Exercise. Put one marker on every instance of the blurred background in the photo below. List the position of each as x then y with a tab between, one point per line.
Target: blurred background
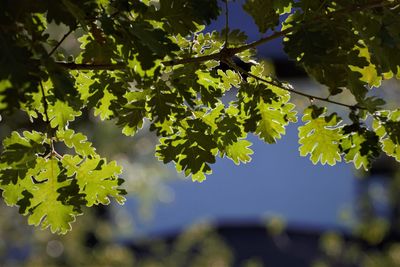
277	210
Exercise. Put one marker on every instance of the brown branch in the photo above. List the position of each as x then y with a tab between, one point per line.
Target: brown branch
261	41
215	56
290	89
87	66
232	51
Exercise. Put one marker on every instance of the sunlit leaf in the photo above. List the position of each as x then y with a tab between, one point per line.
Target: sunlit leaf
239	151
320	137
97	179
360	147
77	141
389	132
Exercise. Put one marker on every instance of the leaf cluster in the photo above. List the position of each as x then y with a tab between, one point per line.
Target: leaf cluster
152	62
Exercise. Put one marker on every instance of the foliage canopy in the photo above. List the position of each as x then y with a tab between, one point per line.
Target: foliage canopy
152	61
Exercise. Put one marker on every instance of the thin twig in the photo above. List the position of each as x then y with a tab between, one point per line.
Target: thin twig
290	89
261	41
61	41
87	66
215	56
226	24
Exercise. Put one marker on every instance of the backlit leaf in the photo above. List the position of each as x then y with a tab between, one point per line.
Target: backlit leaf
45	207
361	148
389	132
60	114
239	151
320	137
77	141
97	179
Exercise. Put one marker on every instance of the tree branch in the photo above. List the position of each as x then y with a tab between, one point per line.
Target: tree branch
84	66
215	56
233	51
290	89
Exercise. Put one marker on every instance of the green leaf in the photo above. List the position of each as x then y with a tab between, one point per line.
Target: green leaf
273	120
18	68
131	116
76	11
388	131
283	6
97	51
190	14
369	72
97	179
38	196
165	102
360	147
199	108
51	189
211	87
103	108
77	141
192	149
320	137
83	82
62	86
4	86
266	106
211	115
239	151
45	208
372	103
206	44
236	37
19	155
229	79
60	114
263	13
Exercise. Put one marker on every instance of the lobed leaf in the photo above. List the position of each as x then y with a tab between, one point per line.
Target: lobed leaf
263	12
19	155
45	208
273	120
78	141
360	147
97	179
320	137
60	114
239	151
388	130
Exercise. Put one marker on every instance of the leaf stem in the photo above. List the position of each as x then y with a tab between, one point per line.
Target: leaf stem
49	130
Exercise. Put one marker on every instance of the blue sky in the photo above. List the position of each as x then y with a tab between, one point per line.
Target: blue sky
276	182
